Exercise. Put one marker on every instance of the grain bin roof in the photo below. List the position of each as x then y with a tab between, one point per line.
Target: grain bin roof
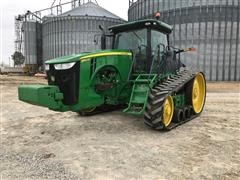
90	9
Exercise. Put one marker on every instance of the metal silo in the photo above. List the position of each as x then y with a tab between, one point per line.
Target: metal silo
212	26
74	31
32	38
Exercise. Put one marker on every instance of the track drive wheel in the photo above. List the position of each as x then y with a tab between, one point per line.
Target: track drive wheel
198	93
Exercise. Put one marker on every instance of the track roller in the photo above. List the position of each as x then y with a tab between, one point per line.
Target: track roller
178	116
186	112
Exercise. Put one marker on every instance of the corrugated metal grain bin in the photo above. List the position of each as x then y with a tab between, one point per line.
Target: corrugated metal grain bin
32	37
210	26
73	31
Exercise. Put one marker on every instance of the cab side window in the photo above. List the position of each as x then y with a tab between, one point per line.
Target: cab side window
159	43
158	39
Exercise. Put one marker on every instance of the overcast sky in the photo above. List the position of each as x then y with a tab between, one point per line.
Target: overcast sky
11	8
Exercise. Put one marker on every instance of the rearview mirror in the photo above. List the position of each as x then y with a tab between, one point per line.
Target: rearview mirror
95	40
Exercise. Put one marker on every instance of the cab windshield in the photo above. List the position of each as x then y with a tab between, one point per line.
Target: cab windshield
148	47
131	40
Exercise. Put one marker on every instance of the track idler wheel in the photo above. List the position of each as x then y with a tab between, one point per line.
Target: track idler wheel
168	110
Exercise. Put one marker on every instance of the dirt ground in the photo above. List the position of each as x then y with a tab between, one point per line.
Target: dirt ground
37	143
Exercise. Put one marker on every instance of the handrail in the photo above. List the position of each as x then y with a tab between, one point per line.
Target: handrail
131	69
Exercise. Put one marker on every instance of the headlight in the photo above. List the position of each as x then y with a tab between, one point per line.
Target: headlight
46	67
64	66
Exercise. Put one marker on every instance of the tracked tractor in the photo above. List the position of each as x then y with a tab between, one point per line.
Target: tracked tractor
142	73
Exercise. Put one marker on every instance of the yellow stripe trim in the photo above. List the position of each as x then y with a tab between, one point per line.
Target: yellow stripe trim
88	57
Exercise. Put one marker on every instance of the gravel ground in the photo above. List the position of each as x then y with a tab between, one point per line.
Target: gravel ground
37	143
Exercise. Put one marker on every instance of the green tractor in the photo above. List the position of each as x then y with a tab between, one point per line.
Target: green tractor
141	73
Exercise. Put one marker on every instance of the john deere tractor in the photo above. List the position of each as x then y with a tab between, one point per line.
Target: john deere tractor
141	73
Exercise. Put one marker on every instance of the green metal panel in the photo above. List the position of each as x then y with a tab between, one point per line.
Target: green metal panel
51	97
179	100
88	97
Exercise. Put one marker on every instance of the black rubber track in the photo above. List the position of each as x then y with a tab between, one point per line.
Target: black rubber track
154	109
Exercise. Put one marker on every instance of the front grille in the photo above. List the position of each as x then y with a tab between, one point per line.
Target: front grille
68	82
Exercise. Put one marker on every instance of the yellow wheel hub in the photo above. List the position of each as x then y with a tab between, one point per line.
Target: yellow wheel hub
168	110
89	110
198	93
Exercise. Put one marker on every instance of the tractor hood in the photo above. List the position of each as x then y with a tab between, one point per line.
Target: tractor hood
87	55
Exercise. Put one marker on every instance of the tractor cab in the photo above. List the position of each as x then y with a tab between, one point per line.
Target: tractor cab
148	40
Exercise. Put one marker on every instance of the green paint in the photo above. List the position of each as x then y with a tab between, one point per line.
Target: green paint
139	95
77	57
119	93
179	101
42	95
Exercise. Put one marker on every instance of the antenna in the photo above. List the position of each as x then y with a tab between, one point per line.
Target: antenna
53	3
